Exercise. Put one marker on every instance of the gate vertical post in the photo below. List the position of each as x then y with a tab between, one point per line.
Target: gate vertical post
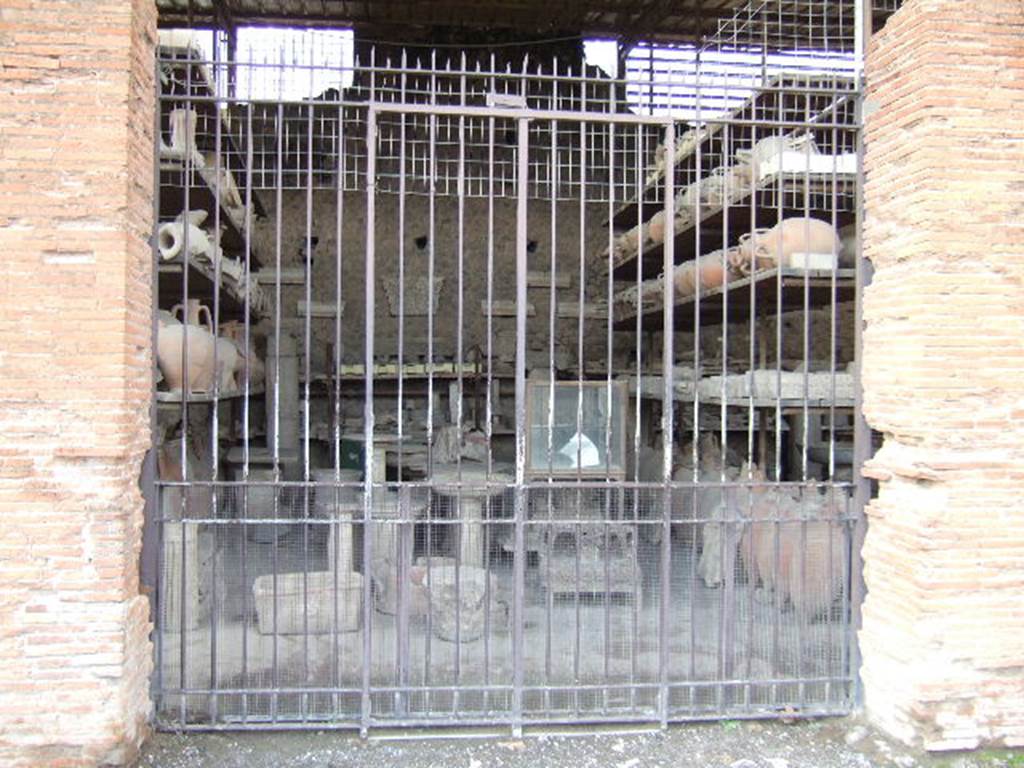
668	355
370	287
519	559
862	450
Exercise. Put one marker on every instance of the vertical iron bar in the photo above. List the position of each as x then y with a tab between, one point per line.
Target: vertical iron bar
698	372
755	418
404	552
580	323
638	413
243	554
549	421
831	471
215	415
307	354
519	557
401	271
466	528
431	167
726	616
276	447
490	349
489	320
368	425
152	488
432	205
404	557
186	391
609	341
667	412
335	380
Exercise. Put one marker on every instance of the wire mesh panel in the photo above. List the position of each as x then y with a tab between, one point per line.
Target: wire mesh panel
494	394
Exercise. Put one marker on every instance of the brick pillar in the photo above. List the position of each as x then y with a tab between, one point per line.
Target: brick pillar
943	629
76	181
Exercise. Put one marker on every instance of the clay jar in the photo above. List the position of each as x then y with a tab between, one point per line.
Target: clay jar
656	228
196	310
230	361
848	252
628	241
795	235
235	331
712	272
704	273
171	342
685	279
713	188
749	250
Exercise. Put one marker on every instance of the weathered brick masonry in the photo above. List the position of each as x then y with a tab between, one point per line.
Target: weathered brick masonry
76	184
943	635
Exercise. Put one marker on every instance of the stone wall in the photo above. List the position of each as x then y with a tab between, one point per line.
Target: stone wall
445	235
822	324
943	623
76	180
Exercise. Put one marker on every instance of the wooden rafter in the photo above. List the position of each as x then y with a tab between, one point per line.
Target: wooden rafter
618	19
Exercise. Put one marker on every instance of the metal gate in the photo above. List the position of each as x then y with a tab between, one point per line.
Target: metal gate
509	396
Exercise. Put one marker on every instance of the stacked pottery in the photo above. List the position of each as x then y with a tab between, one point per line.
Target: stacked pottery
175	338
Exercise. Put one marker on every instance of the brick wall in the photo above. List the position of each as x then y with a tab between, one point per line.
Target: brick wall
943	631
76	107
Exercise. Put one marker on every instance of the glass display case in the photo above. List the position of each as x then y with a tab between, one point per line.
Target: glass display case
578	430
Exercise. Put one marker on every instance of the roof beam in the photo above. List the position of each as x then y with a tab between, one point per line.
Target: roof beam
627	20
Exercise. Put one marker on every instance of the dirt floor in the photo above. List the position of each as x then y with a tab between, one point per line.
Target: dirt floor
831	743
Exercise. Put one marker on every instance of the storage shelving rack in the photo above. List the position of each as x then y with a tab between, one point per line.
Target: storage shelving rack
184	73
821	105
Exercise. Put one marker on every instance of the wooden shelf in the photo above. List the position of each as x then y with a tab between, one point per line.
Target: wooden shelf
414	382
765	286
789	391
651	387
203	398
201	282
186	83
182	66
412	372
749	209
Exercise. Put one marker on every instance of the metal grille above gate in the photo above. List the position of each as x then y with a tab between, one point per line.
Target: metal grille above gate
494	396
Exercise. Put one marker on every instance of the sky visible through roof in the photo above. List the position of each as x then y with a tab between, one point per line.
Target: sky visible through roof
294	64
